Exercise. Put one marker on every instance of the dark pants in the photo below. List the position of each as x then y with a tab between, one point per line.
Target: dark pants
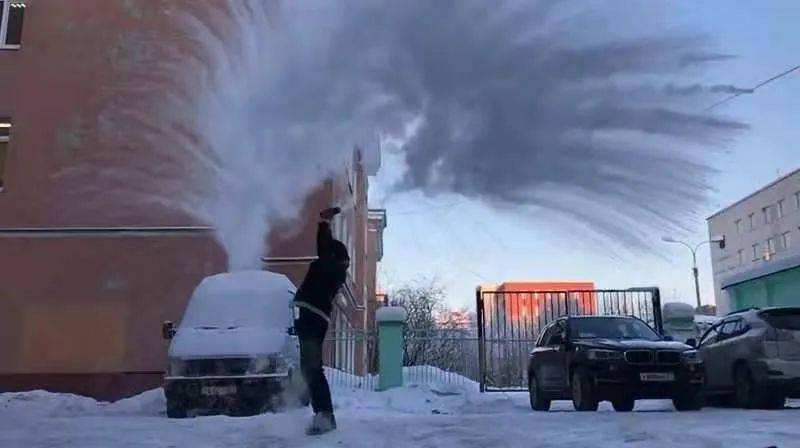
311	330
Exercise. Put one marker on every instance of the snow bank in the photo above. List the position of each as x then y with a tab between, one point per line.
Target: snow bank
151	403
40	403
438	380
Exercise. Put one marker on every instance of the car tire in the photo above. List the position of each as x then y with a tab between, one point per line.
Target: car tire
583	395
691	400
774	400
539	401
623	404
746	395
175	410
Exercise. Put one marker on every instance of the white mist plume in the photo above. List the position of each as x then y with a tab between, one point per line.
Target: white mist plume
256	102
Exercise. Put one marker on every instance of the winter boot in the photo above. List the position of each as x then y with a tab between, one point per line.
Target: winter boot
321	423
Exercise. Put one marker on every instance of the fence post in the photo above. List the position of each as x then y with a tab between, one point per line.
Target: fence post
481	340
390	346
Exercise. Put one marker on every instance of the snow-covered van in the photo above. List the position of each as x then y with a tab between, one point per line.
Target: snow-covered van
234	351
678	321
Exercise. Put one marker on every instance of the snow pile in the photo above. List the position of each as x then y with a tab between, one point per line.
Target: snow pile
439	381
48	404
151	403
40	403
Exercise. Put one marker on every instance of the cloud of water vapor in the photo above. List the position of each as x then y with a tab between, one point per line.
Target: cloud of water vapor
516	103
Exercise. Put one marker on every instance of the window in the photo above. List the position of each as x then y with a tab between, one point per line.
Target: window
770	214
545	338
752	218
787	240
781	209
727	330
739	228
11	17
755	252
797	200
556	329
5	133
711	336
771	247
741	256
733	328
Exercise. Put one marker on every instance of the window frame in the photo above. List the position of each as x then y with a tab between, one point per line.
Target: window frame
5	123
781	208
704	340
752	221
5	16
725	333
755	252
786	239
772	246
739	228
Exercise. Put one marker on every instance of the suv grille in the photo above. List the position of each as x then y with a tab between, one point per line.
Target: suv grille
639	356
217	367
668	357
652	357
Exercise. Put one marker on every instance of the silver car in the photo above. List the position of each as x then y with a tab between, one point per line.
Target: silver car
753	356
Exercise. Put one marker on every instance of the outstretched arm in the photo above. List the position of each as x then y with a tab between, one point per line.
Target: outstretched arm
324	234
324	238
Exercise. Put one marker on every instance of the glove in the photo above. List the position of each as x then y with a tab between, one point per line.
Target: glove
329	213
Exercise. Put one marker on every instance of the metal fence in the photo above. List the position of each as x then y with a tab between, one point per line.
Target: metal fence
352	359
510	321
440	357
430	357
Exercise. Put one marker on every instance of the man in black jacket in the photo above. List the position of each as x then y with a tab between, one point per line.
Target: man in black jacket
314	298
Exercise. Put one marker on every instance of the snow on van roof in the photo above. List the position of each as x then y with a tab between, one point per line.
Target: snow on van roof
245	281
242	298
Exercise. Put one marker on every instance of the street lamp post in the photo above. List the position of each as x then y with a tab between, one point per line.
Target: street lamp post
695	272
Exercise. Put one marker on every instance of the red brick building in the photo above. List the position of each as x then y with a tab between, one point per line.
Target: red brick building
85	283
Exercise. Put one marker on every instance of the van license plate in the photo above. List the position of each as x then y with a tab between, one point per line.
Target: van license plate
657	376
218	390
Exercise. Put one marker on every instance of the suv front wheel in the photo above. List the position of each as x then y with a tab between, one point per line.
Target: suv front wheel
539	402
583	394
690	400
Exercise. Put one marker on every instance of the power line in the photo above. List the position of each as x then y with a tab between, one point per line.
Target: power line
774	78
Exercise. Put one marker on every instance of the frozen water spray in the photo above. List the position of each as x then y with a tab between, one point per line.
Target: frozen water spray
529	104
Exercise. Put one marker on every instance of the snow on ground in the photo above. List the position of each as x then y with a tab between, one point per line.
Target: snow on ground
413	416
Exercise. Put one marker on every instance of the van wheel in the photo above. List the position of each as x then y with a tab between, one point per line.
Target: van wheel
539	402
583	394
175	410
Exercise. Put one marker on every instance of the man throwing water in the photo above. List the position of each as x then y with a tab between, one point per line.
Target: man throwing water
314	298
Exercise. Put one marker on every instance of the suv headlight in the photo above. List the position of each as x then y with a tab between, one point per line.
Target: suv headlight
269	364
603	355
690	356
177	367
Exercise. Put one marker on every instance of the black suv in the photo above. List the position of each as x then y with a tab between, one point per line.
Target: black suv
621	359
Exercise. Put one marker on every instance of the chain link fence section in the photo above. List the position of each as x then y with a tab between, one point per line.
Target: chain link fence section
351	359
440	357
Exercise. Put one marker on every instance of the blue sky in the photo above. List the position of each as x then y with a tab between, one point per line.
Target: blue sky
463	243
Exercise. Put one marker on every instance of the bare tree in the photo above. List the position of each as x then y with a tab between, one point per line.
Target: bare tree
434	334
